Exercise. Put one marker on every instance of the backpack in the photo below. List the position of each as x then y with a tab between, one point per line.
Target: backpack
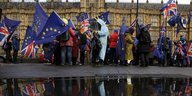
65	36
145	37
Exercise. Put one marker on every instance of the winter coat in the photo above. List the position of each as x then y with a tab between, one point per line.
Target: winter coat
113	40
16	43
103	34
129	41
70	41
75	48
144	45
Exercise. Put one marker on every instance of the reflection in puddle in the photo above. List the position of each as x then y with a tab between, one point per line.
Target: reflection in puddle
96	87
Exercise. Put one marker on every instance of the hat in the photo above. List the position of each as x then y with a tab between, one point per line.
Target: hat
116	30
141	26
65	21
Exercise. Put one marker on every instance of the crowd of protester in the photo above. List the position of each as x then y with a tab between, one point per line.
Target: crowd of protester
98	49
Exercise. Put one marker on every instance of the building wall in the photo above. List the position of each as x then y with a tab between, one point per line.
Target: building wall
148	13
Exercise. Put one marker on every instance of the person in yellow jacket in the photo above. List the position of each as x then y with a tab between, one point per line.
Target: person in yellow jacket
129	41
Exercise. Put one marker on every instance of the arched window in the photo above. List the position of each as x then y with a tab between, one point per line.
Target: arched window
154	21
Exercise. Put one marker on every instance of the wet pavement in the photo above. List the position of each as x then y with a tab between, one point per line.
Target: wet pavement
47	70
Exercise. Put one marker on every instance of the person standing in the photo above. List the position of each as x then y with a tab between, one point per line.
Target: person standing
83	41
103	35
8	47
129	41
144	45
112	45
66	46
75	50
16	47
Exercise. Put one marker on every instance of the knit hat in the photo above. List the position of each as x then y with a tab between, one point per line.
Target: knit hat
116	30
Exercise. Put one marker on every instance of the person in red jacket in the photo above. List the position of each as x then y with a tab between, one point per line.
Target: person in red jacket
112	45
66	48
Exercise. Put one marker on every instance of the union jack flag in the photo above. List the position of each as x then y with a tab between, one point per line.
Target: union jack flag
30	90
134	22
4	33
85	23
169	9
28	48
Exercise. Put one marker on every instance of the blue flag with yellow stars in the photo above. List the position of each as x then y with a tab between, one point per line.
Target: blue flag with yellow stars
40	19
104	17
53	27
11	24
82	17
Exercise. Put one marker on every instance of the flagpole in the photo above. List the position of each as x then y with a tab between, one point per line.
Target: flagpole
137	12
189	27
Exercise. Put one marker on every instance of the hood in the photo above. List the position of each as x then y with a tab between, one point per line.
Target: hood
101	22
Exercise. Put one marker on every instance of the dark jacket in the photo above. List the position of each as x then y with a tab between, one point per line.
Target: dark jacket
144	42
15	42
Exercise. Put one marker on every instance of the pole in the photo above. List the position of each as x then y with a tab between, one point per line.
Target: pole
189	28
137	8
137	14
0	13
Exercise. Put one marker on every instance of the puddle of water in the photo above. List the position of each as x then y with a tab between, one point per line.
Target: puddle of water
96	87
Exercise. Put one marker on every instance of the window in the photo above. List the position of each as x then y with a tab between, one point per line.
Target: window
155	1
140	20
154	21
111	18
30	19
73	0
15	0
29	0
125	1
140	1
110	1
34	0
73	18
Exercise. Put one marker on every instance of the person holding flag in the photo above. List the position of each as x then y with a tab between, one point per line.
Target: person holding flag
16	47
11	26
144	44
129	41
103	33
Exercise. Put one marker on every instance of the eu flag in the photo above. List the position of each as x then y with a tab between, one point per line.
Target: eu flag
40	19
70	23
53	27
28	48
120	53
11	24
104	17
82	17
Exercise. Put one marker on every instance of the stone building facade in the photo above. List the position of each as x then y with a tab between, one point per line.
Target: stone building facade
148	13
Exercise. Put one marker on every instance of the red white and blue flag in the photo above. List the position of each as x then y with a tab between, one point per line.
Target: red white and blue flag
28	48
4	33
169	9
30	90
134	22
